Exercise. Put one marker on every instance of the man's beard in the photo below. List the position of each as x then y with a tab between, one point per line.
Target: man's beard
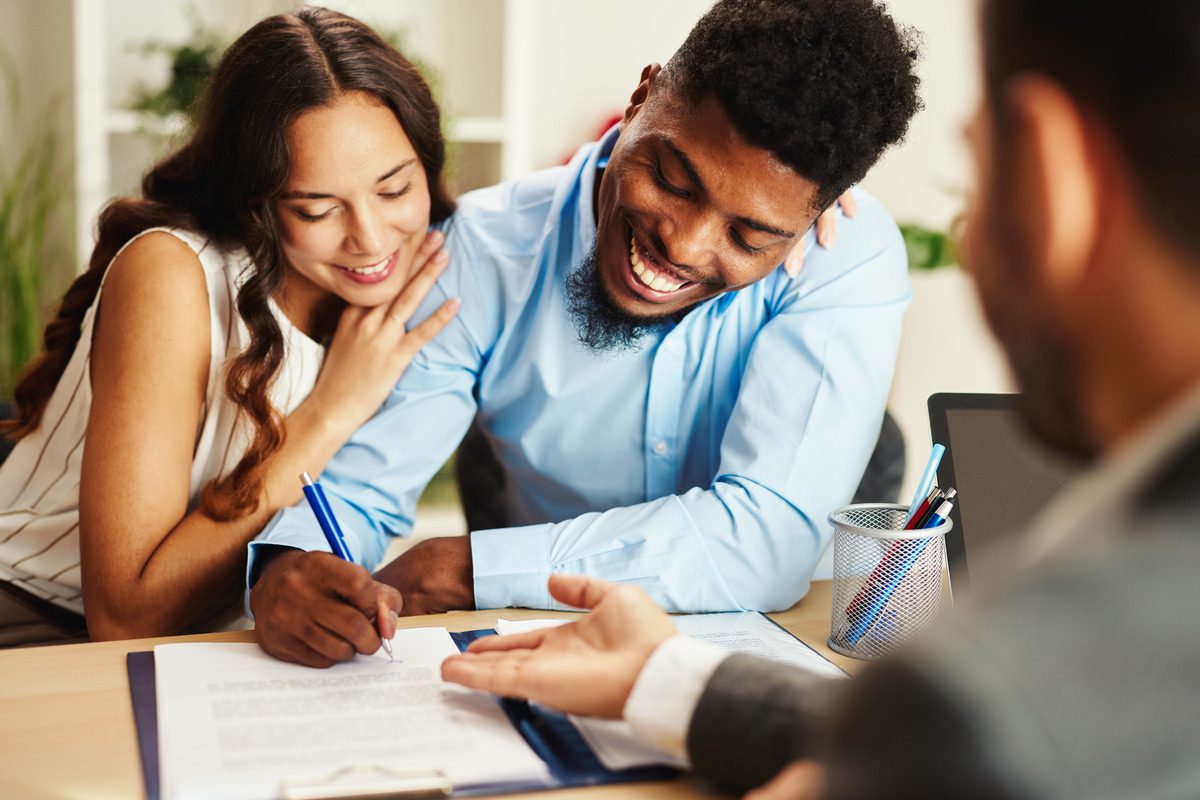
601	324
1040	354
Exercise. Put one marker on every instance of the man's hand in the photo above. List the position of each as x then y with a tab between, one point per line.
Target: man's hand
316	609
800	780
433	576
586	667
826	232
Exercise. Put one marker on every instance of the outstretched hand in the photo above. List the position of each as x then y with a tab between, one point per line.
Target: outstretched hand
586	667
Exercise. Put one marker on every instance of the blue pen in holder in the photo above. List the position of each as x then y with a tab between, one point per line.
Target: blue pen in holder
887	582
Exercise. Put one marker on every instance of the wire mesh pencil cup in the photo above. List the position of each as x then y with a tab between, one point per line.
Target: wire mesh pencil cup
887	582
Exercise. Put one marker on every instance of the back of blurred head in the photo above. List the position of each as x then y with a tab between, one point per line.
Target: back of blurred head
1084	235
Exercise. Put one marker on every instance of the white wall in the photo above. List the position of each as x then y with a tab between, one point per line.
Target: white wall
925	178
588	60
589	57
946	346
582	60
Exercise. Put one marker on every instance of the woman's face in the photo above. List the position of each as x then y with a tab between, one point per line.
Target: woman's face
355	207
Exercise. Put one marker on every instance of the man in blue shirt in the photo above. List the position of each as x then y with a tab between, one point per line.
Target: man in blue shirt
670	408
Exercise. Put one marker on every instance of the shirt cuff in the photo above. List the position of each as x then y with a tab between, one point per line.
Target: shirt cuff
511	567
294	538
667	690
281	531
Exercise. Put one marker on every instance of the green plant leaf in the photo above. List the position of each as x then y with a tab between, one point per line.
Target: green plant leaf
32	187
927	248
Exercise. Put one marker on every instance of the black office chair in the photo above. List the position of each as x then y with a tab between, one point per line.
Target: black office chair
481	480
885	470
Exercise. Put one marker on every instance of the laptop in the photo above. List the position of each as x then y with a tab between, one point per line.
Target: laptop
1003	476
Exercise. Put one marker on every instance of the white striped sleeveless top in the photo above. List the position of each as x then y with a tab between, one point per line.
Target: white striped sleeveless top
39	483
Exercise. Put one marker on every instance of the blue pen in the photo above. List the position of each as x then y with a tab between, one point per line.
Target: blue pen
324	514
877	603
329	526
926	484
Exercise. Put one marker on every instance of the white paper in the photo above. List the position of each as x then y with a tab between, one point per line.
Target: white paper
234	722
507	627
613	742
739	631
751	632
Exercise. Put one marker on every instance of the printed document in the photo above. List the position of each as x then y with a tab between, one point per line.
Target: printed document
740	631
234	722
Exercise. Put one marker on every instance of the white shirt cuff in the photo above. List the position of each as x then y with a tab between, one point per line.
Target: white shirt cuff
664	697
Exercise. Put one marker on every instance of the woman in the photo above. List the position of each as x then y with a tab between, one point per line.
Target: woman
184	384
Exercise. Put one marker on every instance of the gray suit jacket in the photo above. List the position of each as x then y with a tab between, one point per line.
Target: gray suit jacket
1080	679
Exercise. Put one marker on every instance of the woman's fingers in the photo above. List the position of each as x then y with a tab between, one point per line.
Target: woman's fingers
405	305
827	227
423	334
826	231
827	222
848	203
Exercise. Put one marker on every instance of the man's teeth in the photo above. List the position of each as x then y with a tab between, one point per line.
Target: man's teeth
648	277
374	269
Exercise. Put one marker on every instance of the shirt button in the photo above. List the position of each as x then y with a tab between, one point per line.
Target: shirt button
660	447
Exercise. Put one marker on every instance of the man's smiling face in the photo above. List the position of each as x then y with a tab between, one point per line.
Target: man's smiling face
688	209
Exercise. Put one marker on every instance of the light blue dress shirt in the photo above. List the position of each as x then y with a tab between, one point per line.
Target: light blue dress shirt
700	466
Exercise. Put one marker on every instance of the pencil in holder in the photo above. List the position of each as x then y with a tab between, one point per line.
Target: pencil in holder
887	582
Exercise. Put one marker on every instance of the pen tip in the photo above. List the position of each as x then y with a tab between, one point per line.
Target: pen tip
306	479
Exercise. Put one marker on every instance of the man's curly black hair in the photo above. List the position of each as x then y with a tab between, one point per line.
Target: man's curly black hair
824	85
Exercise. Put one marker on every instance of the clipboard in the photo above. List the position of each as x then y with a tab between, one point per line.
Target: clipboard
569	758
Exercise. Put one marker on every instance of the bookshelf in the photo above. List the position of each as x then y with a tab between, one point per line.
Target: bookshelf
480	52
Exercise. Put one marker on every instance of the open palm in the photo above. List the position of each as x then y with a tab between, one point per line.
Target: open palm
586	667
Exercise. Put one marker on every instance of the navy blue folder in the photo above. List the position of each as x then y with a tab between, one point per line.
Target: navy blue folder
552	736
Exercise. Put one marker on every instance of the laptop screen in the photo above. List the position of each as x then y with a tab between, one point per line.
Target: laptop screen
1003	477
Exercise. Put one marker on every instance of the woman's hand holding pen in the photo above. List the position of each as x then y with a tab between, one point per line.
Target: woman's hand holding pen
371	347
316	609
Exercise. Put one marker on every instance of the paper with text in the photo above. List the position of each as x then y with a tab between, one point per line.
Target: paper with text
751	632
234	722
740	631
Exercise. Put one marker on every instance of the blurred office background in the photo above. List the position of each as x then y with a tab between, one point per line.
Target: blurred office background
522	82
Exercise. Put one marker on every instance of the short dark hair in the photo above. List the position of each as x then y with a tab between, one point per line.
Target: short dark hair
1136	66
824	85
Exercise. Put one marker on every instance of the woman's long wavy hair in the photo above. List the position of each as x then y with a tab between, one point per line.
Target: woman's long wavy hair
222	184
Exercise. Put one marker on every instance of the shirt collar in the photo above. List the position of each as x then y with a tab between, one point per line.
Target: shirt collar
1102	498
586	163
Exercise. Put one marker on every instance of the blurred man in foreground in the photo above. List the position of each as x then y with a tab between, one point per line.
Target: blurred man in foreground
1076	679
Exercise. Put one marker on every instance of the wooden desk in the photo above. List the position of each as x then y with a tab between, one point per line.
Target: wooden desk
66	724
